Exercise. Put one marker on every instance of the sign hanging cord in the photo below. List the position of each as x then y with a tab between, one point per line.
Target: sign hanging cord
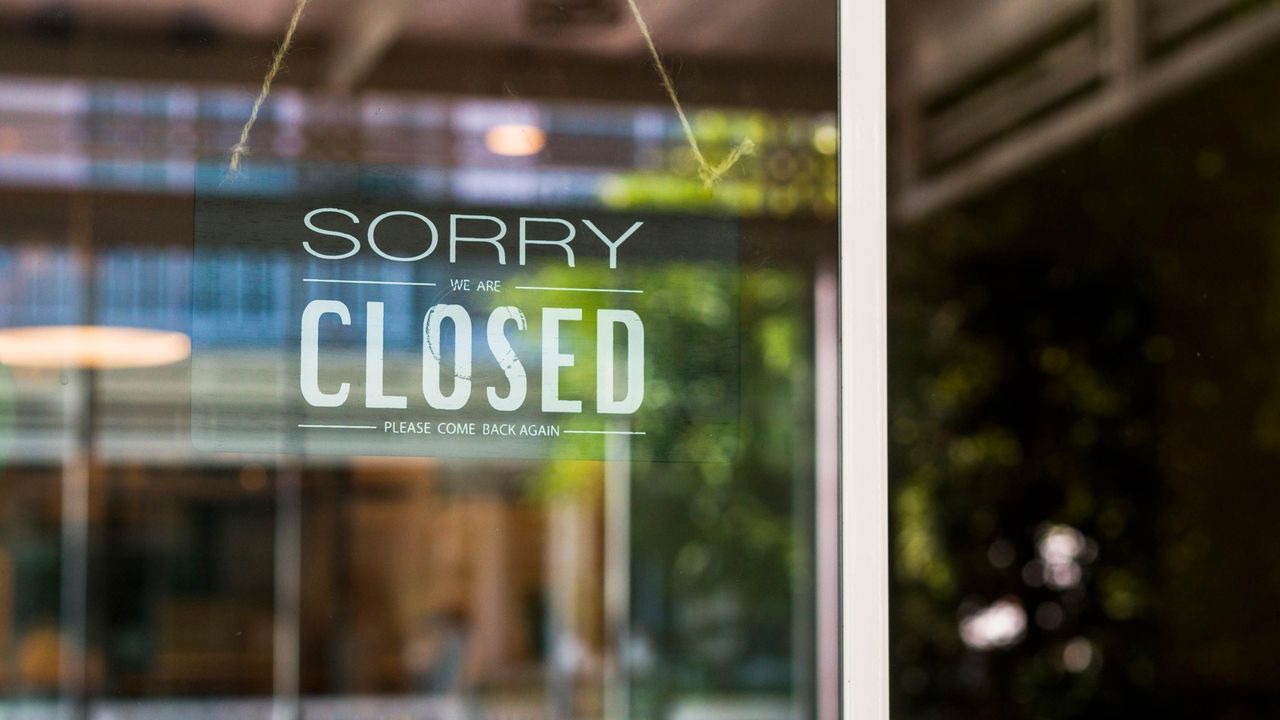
241	148
709	173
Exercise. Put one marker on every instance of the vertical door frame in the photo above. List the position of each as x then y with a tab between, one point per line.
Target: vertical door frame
864	567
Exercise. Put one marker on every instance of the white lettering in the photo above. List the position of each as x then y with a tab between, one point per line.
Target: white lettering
553	359
507	360
454	238
435	236
310	371
563	242
373	396
355	244
432	353
606	402
612	244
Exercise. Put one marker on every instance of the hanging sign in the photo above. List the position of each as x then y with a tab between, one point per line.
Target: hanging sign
342	325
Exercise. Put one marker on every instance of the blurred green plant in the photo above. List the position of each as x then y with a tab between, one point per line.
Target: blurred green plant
720	547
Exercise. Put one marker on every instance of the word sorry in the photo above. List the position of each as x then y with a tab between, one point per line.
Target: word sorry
528	228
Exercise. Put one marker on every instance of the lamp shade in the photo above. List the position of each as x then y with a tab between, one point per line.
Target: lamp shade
91	347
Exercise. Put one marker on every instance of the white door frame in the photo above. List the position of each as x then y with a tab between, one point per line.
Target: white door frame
863	408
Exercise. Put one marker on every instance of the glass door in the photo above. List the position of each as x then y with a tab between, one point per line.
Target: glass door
396	359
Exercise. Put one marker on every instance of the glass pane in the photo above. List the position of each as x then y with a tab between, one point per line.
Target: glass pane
1082	365
547	469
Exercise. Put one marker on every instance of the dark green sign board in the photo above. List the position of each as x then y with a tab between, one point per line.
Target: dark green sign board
353	325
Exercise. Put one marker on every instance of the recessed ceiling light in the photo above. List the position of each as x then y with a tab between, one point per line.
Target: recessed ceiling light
515	140
91	346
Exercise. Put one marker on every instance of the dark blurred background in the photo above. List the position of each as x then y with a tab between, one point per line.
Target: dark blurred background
1083	359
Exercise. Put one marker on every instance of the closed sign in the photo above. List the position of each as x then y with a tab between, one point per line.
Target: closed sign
395	327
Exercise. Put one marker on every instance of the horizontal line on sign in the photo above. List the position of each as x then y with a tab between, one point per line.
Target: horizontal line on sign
342	427
602	432
369	282
604	290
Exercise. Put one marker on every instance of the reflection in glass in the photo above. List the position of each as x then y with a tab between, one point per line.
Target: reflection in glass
142	575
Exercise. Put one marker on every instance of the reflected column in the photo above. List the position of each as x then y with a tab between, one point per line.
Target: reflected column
77	471
287	624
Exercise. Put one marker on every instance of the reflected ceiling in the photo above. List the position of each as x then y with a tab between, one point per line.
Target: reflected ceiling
794	29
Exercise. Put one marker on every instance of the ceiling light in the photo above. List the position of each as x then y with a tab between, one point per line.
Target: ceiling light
515	140
88	346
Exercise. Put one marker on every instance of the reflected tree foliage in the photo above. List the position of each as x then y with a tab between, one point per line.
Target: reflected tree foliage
1083	427
719	550
1022	461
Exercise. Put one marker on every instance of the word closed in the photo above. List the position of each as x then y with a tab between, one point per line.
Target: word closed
552	359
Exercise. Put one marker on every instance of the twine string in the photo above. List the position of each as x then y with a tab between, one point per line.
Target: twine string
710	174
241	148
